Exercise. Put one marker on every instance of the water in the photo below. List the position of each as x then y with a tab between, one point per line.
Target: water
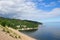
48	31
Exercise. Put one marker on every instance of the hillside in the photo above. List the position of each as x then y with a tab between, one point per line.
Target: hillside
7	33
4	36
18	24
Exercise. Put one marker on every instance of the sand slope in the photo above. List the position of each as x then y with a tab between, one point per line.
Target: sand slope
5	36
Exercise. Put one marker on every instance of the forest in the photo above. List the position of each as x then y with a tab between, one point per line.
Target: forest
18	23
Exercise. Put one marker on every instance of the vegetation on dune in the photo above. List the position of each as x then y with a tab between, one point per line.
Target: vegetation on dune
11	33
18	24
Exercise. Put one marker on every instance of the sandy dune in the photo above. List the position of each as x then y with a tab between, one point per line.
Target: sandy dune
5	36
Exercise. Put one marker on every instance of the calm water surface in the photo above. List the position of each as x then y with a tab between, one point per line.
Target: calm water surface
48	31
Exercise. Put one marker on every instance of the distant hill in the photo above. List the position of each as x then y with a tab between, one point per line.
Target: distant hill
17	23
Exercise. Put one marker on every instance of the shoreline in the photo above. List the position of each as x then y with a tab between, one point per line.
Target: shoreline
22	35
27	29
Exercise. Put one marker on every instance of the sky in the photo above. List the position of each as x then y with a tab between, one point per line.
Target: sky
36	10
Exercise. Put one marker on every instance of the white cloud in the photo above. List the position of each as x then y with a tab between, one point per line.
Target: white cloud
21	8
42	14
55	12
24	9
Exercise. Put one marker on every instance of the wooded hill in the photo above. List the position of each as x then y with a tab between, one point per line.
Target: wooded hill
17	23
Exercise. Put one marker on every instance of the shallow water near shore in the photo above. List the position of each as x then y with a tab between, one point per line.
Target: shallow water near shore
48	31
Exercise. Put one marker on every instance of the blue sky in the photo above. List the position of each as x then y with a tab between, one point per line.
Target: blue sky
36	10
47	5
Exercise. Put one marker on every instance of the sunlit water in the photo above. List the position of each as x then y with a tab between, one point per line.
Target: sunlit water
48	31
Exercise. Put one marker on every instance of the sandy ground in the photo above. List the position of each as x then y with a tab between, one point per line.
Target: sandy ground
6	36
